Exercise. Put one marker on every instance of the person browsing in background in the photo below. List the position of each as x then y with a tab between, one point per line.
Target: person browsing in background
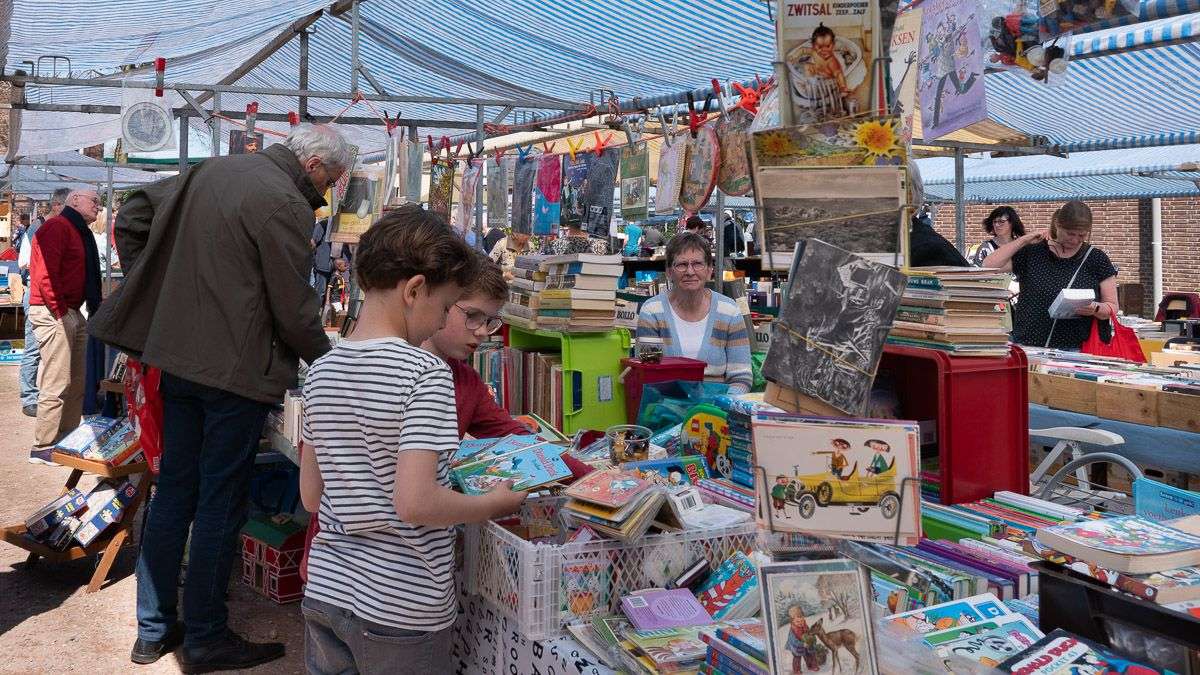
227	352
29	358
379	433
494	235
506	250
323	262
1004	225
652	237
577	241
1045	263
633	240
696	322
64	276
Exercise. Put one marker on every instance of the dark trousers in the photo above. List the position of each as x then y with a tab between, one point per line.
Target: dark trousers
210	438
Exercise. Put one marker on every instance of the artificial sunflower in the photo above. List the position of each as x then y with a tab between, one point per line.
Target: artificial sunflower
878	138
775	144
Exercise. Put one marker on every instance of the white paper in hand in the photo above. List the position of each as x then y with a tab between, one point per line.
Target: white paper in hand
1069	300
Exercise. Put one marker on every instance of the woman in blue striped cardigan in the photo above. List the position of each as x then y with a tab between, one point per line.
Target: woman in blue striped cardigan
696	322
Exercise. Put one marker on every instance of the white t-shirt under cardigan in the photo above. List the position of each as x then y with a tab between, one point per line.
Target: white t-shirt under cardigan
724	347
364	403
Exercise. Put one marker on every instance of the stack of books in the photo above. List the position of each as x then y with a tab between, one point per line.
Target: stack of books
525	291
533	384
738	461
735	647
488	361
979	628
614	503
113	441
960	310
580	293
667	650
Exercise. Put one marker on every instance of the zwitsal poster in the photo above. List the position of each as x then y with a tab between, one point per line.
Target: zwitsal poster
828	49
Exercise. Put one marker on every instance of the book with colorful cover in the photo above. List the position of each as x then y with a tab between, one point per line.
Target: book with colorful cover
1152	499
655	609
612	488
90	435
723	657
726	592
689	469
669	646
1063	653
747	635
1129	544
471	448
123	441
529	468
1161	587
951	614
987	642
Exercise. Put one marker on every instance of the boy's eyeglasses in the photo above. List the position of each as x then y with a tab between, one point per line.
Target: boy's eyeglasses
476	319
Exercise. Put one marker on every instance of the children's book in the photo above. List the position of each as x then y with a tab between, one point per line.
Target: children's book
988	642
747	635
90	435
1155	500
953	614
529	468
668	648
612	488
1162	587
688	469
585	587
1062	653
725	657
731	591
658	608
1129	544
471	448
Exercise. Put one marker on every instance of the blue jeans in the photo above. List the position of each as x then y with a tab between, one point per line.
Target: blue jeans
210	438
29	360
337	641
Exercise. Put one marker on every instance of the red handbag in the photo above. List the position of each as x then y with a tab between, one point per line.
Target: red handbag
145	409
1124	343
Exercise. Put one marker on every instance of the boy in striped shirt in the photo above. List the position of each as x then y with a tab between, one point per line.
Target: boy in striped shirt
379	423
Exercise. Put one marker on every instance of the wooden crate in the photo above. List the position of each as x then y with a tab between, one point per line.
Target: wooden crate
1063	393
1127	404
1179	411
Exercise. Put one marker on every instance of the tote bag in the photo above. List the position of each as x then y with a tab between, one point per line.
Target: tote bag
1123	343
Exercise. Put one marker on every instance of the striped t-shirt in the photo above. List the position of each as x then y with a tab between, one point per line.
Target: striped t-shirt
365	402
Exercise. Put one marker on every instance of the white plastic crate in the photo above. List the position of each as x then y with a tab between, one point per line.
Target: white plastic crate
543	587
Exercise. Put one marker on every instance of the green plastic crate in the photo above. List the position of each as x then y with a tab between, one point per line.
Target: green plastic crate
593	397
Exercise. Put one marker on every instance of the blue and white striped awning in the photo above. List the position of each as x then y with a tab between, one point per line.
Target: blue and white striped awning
1109	174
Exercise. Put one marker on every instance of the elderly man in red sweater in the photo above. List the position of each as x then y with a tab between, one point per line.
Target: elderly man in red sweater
64	274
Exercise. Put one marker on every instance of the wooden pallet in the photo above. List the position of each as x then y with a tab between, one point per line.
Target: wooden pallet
108	545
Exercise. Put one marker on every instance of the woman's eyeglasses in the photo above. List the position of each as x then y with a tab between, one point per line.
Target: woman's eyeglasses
683	267
475	319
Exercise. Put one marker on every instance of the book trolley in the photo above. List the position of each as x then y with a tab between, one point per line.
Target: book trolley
108	545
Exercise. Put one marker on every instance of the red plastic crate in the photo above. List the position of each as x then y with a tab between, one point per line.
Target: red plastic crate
669	368
981	410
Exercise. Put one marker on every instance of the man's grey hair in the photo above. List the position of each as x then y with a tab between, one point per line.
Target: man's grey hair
60	196
319	140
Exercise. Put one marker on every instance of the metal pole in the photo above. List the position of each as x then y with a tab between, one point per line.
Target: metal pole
1156	236
108	229
183	144
479	136
719	237
354	47
304	74
960	214
216	125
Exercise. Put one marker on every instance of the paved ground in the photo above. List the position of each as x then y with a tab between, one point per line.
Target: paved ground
47	622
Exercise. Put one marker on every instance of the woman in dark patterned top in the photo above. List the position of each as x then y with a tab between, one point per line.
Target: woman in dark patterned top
1045	263
576	241
1004	225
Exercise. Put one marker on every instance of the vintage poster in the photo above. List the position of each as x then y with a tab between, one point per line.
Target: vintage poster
818	617
361	205
522	195
465	222
700	169
497	192
864	140
733	134
828	49
950	82
596	195
838	478
441	186
575	171
547	193
416	160
673	155
857	210
241	143
635	182
831	329
902	73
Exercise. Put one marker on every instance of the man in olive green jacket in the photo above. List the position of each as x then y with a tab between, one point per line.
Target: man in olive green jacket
216	295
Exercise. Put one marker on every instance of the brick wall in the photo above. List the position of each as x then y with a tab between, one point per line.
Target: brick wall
1122	228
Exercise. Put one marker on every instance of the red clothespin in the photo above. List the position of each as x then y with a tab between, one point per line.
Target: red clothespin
600	144
749	98
547	148
716	84
574	147
433	154
160	71
357	97
693	118
251	116
293	118
498	154
457	149
390	124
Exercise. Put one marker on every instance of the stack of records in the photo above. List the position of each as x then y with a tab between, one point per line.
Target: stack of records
615	503
737	464
525	290
960	310
580	293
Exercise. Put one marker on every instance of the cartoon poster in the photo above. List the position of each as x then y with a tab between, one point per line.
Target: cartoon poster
361	206
950	82
818	617
635	182
906	40
838	478
828	49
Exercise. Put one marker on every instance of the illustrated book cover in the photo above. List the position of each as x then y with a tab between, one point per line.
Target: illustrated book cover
529	468
947	615
610	488
657	608
1062	653
1129	544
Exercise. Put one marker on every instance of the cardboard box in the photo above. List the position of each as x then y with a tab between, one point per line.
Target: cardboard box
46	519
1127	404
762	338
1063	393
106	504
